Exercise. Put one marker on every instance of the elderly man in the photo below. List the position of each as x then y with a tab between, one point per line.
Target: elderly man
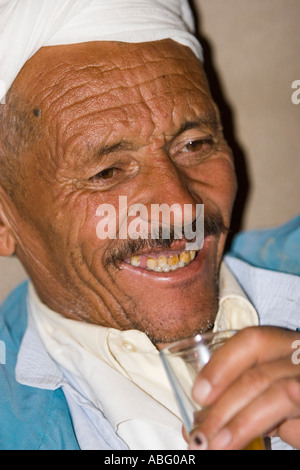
109	101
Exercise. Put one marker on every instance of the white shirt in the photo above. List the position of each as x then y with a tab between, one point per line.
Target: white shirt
120	372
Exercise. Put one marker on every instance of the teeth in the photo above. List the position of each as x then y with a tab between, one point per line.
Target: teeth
185	257
164	264
167	268
135	261
173	260
152	264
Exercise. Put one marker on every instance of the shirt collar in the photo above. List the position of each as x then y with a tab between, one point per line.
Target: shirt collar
35	367
235	310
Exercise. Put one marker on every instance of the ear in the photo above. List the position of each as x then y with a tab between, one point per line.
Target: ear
7	240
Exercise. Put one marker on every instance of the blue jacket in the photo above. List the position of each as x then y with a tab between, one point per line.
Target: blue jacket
34	418
30	418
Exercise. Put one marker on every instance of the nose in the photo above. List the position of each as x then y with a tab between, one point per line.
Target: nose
169	205
168	186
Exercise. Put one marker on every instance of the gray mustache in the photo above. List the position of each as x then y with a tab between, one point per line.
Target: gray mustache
213	225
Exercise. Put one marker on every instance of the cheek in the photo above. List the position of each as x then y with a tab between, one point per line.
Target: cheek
215	182
97	225
225	184
66	223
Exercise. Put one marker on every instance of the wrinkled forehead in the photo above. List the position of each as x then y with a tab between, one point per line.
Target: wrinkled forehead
87	88
56	70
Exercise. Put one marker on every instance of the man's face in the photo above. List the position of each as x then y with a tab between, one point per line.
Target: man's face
133	120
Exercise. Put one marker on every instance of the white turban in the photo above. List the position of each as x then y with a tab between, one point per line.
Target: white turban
28	25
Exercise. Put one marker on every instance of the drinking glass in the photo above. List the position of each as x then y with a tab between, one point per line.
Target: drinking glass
183	360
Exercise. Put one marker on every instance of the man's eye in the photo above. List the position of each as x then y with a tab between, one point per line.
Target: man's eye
104	175
203	145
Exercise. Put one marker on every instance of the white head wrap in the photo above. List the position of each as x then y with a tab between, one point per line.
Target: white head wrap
28	25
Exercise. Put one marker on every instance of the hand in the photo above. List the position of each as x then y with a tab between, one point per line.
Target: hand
249	388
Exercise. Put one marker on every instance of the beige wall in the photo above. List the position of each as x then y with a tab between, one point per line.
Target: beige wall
255	49
252	54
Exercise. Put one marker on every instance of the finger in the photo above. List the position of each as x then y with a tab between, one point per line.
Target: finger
244	390
247	348
281	402
185	435
289	431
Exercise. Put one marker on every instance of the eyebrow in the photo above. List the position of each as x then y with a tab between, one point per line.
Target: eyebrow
122	145
205	120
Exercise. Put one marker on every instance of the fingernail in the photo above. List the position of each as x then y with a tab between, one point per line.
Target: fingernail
198	442
202	391
222	439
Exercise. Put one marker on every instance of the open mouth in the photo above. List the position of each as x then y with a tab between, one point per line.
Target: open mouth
162	262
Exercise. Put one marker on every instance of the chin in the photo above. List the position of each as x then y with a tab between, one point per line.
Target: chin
168	313
180	320
169	304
